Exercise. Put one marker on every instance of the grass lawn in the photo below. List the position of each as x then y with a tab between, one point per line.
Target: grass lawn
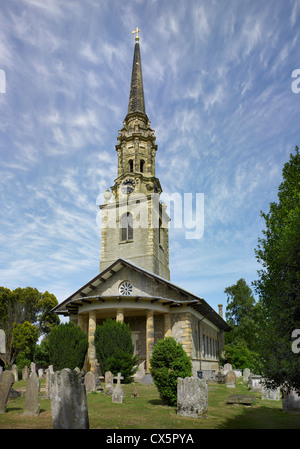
148	412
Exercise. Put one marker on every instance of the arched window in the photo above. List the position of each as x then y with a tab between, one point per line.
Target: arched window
130	165
142	163
126	227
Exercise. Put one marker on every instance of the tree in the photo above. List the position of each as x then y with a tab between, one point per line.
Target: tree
68	346
168	362
25	305
114	349
278	285
242	315
24	338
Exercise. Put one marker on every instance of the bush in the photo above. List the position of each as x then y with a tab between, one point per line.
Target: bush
114	349
168	362
68	345
240	357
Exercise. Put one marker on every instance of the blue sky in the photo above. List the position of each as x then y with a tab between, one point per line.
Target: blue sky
217	83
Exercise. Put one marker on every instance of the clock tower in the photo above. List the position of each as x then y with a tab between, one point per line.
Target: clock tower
134	220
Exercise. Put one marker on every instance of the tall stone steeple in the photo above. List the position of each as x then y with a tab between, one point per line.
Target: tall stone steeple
140	232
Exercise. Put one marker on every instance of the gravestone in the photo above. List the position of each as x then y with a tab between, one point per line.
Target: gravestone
32	367
255	382
14	370
68	400
40	372
243	399
25	373
230	379
192	397
227	367
237	372
117	395
291	402
6	380
32	396
108	379
90	382
272	394
246	374
2	342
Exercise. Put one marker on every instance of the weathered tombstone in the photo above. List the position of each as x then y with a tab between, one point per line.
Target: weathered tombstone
32	396
68	400
117	395
25	373
2	342
40	372
192	397
221	377
90	382
14	370
6	380
108	379
291	402
227	367
237	372
50	368
32	367
246	374
230	379
272	394
255	382
243	399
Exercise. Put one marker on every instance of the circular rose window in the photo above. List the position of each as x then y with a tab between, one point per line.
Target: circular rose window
125	288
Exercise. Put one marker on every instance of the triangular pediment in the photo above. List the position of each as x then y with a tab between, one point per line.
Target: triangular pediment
124	280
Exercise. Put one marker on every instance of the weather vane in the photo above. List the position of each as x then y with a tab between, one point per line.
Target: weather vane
136	32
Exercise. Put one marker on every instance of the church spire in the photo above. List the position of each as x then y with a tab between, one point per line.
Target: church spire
136	97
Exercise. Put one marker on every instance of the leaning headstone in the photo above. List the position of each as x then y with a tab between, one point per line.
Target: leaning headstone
291	402
2	342
68	400
32	396
230	379
25	373
90	382
117	395
272	394
14	370
6	380
192	397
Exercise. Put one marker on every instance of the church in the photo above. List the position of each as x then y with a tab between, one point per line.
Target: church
134	281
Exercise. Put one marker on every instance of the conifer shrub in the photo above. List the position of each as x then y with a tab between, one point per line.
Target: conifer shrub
168	362
68	346
114	349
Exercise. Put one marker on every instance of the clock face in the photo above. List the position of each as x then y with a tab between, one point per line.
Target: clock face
128	186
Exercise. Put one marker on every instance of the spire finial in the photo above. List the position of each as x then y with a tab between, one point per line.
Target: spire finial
136	32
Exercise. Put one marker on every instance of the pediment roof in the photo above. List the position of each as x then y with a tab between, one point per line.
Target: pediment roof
87	293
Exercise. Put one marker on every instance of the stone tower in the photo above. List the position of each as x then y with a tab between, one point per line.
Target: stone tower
134	220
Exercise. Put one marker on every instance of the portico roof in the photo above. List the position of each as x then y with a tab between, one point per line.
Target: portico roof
84	295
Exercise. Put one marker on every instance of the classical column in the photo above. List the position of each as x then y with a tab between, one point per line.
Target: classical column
167	325
120	315
91	333
149	337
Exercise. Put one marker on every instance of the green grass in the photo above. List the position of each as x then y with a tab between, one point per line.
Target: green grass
148	412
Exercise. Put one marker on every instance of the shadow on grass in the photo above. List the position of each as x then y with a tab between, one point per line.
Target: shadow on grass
262	417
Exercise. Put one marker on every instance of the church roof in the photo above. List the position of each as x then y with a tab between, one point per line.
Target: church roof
136	97
85	294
